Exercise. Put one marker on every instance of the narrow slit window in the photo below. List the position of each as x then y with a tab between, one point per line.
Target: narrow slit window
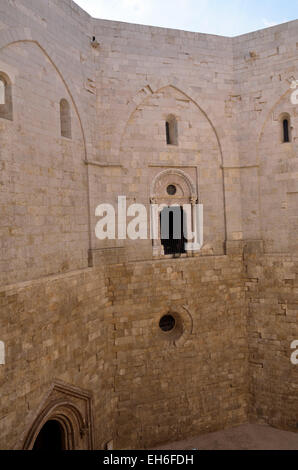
171	131
286	131
65	119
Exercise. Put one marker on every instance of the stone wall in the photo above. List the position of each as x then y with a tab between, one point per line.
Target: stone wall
97	328
168	388
101	333
54	329
272	327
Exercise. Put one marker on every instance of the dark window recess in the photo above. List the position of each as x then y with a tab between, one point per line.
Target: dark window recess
167	323
168	133
172	223
171	190
50	437
172	131
286	130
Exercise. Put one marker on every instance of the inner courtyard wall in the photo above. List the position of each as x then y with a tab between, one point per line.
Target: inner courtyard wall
85	312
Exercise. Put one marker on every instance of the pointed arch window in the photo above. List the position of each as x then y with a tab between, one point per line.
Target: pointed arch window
171	131
5	97
65	119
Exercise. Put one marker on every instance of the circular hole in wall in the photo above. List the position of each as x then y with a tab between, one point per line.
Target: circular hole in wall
171	327
174	326
167	323
171	190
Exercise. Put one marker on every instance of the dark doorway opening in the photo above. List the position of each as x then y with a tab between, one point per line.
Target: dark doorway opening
172	223
51	437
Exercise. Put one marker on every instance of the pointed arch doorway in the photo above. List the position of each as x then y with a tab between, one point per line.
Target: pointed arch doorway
51	437
64	421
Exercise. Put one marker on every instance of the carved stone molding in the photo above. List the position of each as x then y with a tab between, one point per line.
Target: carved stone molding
172	176
72	408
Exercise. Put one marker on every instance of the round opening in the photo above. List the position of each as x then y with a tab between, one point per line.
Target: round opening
167	323
171	190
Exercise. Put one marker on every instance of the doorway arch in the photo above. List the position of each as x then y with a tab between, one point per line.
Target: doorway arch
170	192
63	423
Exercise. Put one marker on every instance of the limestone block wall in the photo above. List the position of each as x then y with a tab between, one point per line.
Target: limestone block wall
272	326
44	181
265	66
168	387
97	328
54	329
145	74
100	332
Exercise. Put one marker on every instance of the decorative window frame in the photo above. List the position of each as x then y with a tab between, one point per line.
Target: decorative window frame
186	194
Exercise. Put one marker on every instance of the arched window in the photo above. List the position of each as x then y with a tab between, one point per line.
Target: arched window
171	131
65	119
2	91
5	97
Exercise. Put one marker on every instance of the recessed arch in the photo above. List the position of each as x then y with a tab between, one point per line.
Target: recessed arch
139	101
147	92
6	107
169	176
276	115
24	35
269	116
71	408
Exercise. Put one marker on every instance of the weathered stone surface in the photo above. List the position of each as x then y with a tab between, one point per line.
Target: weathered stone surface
86	312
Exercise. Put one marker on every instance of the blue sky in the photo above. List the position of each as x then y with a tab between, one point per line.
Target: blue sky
224	17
